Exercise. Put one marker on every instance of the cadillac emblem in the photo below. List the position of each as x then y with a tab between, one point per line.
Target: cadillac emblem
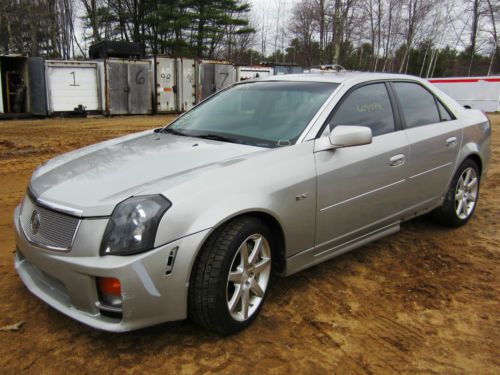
35	222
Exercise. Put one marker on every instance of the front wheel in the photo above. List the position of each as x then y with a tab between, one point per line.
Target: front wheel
461	198
231	275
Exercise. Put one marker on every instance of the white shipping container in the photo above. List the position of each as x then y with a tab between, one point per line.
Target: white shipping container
250	72
476	92
166	100
71	84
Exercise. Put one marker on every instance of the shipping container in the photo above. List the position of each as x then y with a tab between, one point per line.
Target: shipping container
22	86
475	92
288	69
108	49
250	72
128	87
73	86
165	92
186	84
214	76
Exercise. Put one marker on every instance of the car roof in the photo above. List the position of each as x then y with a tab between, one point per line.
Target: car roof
338	77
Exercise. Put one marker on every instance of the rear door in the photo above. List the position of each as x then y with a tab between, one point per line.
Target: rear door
434	136
165	84
361	189
207	73
117	88
224	76
71	84
139	93
37	88
186	84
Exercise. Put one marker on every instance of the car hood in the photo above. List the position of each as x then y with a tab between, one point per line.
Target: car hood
92	180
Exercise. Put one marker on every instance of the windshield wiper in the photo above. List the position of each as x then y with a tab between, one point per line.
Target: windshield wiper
174	132
216	137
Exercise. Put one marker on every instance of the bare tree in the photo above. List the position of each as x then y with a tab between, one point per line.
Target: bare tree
303	25
494	11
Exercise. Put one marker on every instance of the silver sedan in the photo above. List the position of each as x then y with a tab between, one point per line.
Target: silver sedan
268	176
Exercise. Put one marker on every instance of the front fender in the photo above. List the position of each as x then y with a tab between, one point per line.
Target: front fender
269	183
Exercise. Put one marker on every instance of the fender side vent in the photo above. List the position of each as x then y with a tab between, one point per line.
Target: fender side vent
171	261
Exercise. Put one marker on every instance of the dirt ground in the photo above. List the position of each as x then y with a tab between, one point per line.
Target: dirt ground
426	300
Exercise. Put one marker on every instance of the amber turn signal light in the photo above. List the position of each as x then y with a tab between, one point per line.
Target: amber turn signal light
109	286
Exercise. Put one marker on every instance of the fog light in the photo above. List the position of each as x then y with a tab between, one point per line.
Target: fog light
110	291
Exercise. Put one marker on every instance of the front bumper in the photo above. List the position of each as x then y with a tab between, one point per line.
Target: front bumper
67	281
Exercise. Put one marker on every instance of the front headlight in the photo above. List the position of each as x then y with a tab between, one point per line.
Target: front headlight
133	225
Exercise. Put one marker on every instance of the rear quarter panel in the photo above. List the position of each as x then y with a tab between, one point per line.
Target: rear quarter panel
476	138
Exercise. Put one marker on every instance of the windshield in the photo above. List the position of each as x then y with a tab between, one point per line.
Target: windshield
264	114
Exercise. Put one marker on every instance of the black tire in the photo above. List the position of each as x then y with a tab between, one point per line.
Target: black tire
208	287
446	214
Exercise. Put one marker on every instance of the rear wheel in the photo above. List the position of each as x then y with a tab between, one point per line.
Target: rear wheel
461	198
231	275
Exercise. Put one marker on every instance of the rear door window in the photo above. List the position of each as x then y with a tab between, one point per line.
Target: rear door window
418	105
369	106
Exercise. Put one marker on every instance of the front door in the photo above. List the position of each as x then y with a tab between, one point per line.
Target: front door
361	189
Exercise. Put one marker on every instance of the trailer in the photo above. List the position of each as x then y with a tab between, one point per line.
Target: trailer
214	76
73	86
474	92
23	91
251	72
128	86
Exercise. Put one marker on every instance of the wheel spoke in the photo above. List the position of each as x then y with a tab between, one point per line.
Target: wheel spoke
235	276
472	197
459	195
255	251
245	302
261	266
459	207
465	208
461	183
233	302
256	289
472	183
467	176
243	250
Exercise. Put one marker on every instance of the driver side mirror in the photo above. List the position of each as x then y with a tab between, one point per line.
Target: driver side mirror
344	136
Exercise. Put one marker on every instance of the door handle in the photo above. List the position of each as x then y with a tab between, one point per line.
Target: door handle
397	160
451	142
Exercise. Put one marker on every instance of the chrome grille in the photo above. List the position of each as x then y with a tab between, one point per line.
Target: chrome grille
56	231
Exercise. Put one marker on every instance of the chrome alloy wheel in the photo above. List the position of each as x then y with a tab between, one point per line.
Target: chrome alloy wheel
466	193
248	277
